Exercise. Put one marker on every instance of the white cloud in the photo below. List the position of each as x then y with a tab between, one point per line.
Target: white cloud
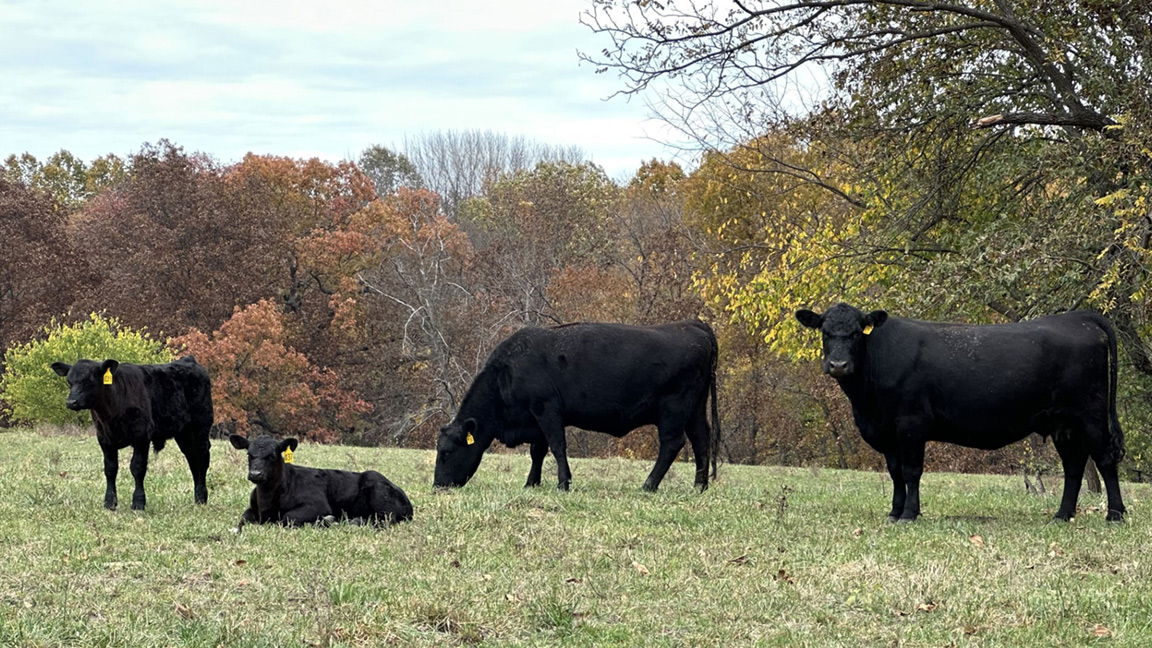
302	77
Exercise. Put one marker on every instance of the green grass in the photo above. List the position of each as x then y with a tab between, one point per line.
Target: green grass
768	556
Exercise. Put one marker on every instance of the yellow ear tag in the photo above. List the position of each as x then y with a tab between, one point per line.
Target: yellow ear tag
867	329
470	439
108	377
288	455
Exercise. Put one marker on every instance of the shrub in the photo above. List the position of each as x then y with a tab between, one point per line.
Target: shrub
32	393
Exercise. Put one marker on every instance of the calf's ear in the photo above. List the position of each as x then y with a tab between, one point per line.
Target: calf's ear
238	442
876	318
109	365
60	368
286	444
809	318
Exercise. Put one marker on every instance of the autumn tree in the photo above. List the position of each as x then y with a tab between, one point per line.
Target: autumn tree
259	380
388	170
43	274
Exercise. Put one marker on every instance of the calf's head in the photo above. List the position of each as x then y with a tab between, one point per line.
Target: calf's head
844	330
265	457
458	454
88	381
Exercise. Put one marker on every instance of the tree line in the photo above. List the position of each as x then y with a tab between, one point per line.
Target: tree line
964	161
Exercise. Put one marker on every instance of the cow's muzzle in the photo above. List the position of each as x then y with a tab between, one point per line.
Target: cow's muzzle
72	405
257	476
837	368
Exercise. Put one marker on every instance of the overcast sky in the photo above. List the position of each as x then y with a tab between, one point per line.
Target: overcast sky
325	78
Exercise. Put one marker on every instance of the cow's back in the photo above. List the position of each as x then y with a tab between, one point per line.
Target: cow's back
180	393
607	377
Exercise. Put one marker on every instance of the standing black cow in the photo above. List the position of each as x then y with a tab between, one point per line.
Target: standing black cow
910	382
609	378
137	405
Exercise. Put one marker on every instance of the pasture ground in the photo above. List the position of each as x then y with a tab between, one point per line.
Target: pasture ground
768	557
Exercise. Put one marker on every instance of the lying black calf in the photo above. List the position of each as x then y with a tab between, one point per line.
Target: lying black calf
292	495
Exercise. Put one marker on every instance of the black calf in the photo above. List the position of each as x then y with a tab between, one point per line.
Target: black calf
293	495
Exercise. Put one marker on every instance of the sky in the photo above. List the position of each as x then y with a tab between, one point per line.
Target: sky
322	78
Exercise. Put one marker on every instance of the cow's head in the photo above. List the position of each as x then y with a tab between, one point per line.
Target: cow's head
88	381
844	330
458	453
265	457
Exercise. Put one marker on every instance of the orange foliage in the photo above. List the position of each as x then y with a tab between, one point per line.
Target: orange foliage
258	379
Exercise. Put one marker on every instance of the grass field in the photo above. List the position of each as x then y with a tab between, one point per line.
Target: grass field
768	556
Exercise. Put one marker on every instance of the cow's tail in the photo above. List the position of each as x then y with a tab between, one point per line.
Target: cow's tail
1116	435
714	451
158	444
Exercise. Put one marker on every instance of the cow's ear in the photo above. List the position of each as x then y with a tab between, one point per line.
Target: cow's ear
61	368
875	319
109	365
288	444
470	426
809	318
238	442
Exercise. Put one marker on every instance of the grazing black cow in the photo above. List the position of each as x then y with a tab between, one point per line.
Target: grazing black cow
293	495
910	382
137	405
609	378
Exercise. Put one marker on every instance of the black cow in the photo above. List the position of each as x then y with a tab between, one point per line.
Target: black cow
609	378
293	495
910	382
137	405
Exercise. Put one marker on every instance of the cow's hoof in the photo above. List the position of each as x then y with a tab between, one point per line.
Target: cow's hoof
562	486
532	484
1116	517
649	487
905	520
1062	517
111	506
137	507
700	488
892	518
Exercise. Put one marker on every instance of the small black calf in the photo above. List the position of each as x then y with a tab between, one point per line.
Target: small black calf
293	495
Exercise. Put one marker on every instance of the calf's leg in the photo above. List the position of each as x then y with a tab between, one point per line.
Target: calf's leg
111	467
195	446
139	468
538	451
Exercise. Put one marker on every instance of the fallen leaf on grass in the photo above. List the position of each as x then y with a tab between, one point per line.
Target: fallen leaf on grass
573	579
183	612
640	568
239	562
1101	631
783	576
857	532
511	598
925	607
738	560
976	540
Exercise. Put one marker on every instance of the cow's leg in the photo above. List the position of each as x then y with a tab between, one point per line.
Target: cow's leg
899	490
553	428
911	467
671	430
195	446
538	452
699	437
139	468
1074	458
1105	459
111	467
